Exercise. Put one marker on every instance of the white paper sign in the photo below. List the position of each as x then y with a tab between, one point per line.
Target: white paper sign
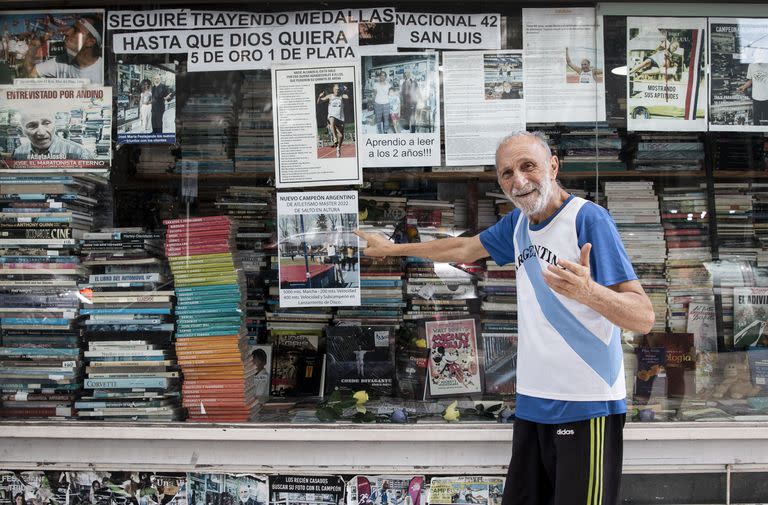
316	125
448	31
484	101
564	69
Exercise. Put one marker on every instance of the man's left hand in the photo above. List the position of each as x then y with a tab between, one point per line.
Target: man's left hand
571	279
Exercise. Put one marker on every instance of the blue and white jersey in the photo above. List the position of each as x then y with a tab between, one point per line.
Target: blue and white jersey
570	363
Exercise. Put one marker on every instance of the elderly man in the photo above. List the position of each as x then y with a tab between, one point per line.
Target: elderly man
160	96
39	128
83	42
587	73
576	288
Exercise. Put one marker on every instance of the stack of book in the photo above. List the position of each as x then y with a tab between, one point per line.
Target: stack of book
686	230
760	218
255	151
208	132
211	340
739	151
634	207
735	227
430	213
42	218
435	289
130	380
498	326
253	211
381	296
128	306
155	160
382	213
665	153
591	149
501	204
486	213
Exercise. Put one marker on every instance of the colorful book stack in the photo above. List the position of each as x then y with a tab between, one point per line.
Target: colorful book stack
128	307
211	341
381	296
255	151
634	207
498	326
686	230
42	218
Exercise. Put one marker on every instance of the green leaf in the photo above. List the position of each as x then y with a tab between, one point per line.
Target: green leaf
335	397
326	414
346	404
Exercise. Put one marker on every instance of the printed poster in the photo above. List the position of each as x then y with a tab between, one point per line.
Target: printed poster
52	44
738	98
303	489
453	365
316	125
227	488
106	488
750	317
480	490
54	128
564	68
146	103
400	111
386	489
318	252
666	85
238	40
484	101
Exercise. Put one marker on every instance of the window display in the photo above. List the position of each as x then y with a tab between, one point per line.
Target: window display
179	268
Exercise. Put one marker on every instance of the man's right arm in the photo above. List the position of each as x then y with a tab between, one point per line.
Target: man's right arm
456	249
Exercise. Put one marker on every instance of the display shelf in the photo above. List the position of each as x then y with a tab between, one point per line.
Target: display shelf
433	449
487	176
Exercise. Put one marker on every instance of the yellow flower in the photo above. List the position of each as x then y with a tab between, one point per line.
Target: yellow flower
451	413
421	343
360	397
361	408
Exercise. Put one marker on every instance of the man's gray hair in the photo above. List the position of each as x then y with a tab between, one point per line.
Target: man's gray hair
537	136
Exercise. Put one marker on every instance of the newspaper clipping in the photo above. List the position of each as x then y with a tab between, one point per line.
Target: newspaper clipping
317	249
564	69
316	125
306	489
400	111
480	490
386	489
484	100
146	104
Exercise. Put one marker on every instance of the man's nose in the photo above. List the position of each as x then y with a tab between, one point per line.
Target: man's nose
518	180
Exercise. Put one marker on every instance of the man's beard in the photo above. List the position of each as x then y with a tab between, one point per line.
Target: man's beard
535	207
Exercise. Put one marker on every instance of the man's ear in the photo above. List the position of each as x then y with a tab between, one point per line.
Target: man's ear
555	165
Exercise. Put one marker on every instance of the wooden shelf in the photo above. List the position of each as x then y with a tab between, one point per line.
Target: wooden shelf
395	174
